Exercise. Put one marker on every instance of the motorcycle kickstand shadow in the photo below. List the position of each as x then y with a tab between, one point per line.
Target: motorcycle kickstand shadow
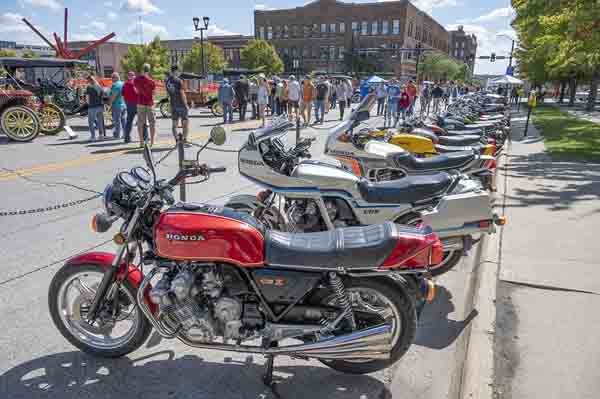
268	376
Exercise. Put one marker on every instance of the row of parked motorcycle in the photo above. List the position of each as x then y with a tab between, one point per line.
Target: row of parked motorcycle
331	262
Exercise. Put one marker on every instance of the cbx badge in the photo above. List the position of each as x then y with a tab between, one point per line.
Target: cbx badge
182	237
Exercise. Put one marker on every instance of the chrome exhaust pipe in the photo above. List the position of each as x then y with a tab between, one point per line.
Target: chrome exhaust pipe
453	243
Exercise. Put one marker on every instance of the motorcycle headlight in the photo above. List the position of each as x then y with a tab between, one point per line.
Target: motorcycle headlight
107	199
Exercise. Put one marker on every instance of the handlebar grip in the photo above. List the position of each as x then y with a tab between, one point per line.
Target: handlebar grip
217	170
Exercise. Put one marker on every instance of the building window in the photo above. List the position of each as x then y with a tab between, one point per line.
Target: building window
410	29
277	32
286	32
323	28
315	30
261	32
341	52
332	28
354	27
306	52
306	30
342	27
294	52
315	52
418	33
385	27
294	30
269	32
332	52
463	45
364	28
396	27
456	53
374	28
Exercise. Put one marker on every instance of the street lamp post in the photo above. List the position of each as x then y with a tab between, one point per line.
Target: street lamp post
418	50
512	49
197	28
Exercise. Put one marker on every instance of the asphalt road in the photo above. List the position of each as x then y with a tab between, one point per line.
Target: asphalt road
37	362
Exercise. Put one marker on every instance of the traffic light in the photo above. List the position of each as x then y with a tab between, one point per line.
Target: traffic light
493	57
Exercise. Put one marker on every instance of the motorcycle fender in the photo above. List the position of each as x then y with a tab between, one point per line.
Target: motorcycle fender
244	199
105	260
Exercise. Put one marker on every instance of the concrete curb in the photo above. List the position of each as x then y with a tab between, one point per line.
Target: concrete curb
478	370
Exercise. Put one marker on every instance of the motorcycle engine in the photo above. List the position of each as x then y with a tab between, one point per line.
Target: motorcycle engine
304	215
196	300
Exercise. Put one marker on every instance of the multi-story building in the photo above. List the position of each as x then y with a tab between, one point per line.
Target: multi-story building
231	46
463	47
106	58
19	49
334	36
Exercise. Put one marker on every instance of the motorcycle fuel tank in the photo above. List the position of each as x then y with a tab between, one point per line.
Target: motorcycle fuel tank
327	177
197	232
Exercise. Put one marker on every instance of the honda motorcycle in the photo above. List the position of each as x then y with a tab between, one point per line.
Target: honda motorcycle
217	279
315	196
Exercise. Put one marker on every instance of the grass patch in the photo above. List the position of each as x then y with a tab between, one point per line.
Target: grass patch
567	137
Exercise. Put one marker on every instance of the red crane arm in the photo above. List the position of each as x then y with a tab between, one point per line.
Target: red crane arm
83	51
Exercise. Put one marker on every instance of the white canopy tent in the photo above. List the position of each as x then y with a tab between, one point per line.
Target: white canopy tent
505	80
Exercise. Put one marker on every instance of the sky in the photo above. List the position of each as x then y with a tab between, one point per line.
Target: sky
172	19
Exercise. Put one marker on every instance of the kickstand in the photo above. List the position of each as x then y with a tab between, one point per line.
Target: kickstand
268	376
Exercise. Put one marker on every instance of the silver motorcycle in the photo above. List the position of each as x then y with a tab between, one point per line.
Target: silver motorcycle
312	196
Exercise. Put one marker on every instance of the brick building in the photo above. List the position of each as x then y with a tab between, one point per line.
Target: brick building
335	36
463	47
231	46
106	58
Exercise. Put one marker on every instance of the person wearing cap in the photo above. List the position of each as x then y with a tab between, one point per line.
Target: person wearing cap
293	95
226	95
117	105
94	99
178	101
145	87
130	96
242	91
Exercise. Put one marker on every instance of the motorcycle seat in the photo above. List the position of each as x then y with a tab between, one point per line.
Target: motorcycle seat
350	247
448	150
478	132
452	160
409	189
463	141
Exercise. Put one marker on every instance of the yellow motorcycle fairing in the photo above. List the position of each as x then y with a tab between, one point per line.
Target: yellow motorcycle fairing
414	144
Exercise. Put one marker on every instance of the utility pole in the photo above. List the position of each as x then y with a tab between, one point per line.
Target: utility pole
419	46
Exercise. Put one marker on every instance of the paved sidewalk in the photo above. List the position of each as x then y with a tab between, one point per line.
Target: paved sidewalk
547	325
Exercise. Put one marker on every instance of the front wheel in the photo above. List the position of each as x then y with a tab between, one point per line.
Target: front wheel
216	109
377	301
120	327
20	123
52	119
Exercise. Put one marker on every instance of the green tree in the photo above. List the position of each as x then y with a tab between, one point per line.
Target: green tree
438	66
152	53
213	57
7	53
30	54
259	54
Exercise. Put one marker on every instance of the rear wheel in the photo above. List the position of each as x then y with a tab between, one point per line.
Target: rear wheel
20	123
216	109
119	329
450	259
52	119
376	301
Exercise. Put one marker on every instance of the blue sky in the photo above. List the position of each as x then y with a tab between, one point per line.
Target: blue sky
173	19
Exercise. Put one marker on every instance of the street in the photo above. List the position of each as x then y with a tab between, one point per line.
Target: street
37	362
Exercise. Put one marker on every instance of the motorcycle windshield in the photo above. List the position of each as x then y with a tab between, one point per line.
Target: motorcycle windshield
279	127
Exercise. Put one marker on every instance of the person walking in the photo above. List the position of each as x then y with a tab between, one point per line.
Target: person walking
437	93
226	96
403	104
513	96
262	97
145	87
364	89
381	95
279	97
294	96
425	98
393	96
284	98
179	104
252	93
94	95
273	95
131	97
242	90
320	100
411	89
349	92
308	95
333	94
117	106
340	94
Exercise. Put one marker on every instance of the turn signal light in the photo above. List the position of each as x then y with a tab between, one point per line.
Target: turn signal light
437	253
428	290
94	224
501	220
352	164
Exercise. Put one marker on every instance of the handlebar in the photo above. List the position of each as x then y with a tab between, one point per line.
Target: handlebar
193	169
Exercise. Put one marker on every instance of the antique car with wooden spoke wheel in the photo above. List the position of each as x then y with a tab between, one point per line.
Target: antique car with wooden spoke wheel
52	118
197	93
17	119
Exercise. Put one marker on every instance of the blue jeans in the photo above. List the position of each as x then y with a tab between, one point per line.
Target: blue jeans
320	106
96	119
119	121
131	112
392	112
227	112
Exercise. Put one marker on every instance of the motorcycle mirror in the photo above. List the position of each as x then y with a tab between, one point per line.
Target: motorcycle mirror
218	135
149	160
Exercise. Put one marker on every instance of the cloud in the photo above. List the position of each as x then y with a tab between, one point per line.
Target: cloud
84	37
214	30
15	30
94	25
51	4
140	6
108	4
11	22
149	30
505	12
263	7
112	16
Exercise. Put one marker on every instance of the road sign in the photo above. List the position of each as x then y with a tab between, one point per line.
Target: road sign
510	71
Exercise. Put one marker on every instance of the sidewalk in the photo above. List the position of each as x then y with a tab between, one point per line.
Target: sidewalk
547	322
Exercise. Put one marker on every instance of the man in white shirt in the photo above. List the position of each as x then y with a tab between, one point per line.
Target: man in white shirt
294	94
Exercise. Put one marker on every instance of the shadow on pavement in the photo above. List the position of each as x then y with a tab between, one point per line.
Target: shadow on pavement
161	375
436	330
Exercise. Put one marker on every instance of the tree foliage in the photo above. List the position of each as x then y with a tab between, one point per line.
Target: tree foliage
213	56
7	53
259	54
438	66
152	53
30	54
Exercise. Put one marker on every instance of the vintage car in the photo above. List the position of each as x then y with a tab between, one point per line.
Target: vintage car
197	95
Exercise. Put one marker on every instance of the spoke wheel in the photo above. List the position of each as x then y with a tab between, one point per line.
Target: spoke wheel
52	119
217	109
165	109
108	120
118	330
20	123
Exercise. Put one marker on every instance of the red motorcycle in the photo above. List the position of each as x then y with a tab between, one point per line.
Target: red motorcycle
216	278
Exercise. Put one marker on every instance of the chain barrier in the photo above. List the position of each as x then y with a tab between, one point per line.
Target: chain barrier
48	208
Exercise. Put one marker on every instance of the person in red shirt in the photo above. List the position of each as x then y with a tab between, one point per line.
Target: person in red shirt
145	87
404	103
130	96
